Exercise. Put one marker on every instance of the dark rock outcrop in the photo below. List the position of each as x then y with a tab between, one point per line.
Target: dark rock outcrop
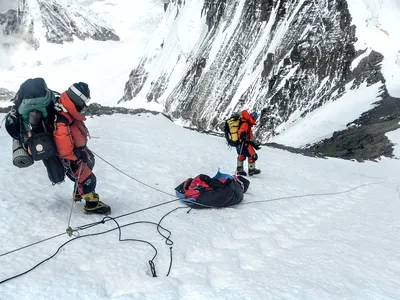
365	138
96	109
283	58
137	79
19	23
62	24
9	21
304	50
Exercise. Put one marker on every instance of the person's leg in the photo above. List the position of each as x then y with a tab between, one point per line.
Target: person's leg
252	161
85	185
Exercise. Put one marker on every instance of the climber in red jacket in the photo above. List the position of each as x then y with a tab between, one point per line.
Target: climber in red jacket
247	147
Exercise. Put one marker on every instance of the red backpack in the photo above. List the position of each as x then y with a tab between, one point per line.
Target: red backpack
193	187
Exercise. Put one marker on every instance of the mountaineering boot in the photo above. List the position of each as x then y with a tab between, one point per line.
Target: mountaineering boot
94	206
253	170
239	170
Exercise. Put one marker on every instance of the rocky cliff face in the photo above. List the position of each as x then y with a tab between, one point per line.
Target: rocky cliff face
18	23
284	58
9	21
61	24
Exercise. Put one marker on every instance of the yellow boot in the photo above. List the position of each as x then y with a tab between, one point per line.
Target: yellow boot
94	206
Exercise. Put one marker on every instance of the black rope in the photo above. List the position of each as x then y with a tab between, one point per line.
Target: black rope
315	194
150	207
167	240
35	243
152	268
170	261
86	227
147	208
104	220
131	177
43	261
151	261
119	227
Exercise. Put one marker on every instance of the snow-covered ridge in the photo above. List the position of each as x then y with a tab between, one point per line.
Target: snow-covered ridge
6	95
35	20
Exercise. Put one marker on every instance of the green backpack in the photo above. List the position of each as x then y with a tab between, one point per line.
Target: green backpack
30	120
30	124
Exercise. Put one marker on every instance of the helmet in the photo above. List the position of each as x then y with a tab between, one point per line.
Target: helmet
79	94
254	116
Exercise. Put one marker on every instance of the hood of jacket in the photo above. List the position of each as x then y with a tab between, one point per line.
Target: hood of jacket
69	106
247	118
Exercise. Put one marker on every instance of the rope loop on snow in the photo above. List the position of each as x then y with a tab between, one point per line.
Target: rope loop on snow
118	227
76	232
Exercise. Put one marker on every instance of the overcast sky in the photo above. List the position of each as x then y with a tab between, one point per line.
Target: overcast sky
7	4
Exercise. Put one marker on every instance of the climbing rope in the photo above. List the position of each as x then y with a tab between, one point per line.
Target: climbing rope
168	241
118	227
73	200
316	194
33	244
85	227
131	177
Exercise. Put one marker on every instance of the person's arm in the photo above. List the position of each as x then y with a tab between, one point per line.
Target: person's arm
64	142
242	132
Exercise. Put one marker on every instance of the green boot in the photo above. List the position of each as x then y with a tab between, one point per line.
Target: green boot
253	170
239	169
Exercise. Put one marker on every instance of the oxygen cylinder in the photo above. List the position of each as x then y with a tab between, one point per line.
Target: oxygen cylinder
21	157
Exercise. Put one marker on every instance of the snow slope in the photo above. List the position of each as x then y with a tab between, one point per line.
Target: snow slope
104	65
335	246
333	116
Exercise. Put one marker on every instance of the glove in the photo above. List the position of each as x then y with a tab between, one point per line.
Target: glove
81	155
255	145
